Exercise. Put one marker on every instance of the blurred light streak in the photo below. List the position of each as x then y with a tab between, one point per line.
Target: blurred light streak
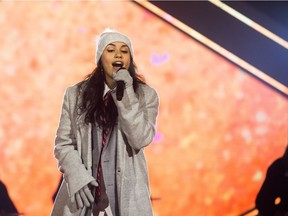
214	46
250	23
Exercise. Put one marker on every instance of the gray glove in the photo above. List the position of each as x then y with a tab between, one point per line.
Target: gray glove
84	196
123	75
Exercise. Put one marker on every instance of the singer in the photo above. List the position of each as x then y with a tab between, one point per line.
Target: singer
101	136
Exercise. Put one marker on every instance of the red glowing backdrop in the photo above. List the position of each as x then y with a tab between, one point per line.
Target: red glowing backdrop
218	127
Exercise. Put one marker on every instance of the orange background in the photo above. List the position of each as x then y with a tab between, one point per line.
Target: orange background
218	127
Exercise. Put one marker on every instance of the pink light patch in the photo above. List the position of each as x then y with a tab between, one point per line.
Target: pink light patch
158	137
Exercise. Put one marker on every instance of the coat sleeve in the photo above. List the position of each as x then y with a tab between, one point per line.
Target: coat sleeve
137	115
68	156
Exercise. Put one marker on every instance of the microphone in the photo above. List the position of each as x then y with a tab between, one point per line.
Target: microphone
120	84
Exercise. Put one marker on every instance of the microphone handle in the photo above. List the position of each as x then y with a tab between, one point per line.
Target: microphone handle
120	90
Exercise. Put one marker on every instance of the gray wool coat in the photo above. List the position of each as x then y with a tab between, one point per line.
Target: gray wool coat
137	115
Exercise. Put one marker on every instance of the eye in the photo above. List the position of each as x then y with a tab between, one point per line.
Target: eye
110	50
124	51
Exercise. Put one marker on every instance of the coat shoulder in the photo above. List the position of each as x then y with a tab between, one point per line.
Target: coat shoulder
74	89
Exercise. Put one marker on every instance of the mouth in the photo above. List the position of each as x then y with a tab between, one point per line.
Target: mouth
117	65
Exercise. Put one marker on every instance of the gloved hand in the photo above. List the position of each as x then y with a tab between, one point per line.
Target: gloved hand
84	196
123	75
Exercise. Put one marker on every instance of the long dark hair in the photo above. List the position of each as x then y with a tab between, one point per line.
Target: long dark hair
91	91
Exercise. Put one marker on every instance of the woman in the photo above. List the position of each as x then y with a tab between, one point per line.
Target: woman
100	150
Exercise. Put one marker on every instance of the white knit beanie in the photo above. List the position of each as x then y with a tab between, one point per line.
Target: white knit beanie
109	36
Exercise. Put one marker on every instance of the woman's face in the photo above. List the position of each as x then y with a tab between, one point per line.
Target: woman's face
116	52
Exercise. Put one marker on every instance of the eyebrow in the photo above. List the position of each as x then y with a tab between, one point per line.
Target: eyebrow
124	45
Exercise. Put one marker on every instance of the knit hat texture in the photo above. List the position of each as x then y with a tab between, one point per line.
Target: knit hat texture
109	36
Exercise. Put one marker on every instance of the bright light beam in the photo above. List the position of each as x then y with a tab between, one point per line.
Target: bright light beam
250	23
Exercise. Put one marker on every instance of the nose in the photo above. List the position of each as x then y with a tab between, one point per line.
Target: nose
118	54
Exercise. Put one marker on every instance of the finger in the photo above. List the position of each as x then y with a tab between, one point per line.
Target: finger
79	200
120	74
84	198
94	183
123	70
114	75
73	198
89	195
